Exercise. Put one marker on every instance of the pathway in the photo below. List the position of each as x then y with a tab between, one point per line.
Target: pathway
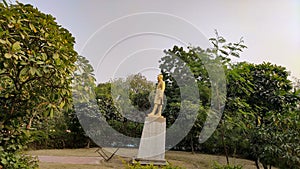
70	159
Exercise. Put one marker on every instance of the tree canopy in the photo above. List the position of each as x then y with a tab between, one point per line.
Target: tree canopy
36	64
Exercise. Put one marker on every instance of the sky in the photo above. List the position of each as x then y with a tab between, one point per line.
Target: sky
127	37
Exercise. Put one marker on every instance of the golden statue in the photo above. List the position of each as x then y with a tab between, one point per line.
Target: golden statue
159	97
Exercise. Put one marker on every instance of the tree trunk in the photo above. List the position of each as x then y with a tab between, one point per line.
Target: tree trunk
192	145
265	166
223	123
88	143
257	163
224	145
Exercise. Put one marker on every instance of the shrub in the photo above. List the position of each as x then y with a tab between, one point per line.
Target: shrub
219	166
137	165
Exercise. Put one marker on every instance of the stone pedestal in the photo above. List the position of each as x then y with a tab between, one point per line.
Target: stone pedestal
152	145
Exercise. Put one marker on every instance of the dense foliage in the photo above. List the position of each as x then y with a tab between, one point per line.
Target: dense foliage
118	113
36	63
263	108
261	115
64	130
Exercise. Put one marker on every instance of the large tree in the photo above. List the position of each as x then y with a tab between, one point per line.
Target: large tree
207	68
261	113
36	63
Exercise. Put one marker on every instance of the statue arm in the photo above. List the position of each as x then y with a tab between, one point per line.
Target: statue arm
163	86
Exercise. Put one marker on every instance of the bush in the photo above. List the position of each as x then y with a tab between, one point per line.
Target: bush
17	160
219	166
12	141
137	165
62	131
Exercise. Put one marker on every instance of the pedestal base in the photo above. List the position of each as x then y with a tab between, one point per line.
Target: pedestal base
152	145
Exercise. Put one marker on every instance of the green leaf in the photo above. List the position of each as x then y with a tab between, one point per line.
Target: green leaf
38	73
6	96
45	70
24	71
235	54
215	45
62	103
4	161
45	113
43	56
7	55
224	52
51	113
32	27
55	56
32	70
16	46
2	41
22	35
5	65
221	40
40	62
58	61
10	25
243	46
16	58
5	3
23	63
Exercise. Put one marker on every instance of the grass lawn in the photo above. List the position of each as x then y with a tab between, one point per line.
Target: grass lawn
176	158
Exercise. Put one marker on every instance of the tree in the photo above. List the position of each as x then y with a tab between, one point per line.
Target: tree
207	67
125	102
36	63
140	90
262	104
64	129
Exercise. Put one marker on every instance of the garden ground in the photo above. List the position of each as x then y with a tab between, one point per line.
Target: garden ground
90	159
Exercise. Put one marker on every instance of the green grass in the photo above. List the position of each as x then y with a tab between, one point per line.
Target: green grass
176	158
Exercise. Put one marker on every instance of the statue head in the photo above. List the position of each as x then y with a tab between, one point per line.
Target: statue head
160	77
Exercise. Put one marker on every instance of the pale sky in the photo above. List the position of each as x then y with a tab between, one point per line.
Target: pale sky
126	37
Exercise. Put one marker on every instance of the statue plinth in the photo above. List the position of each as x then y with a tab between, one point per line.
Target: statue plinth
152	144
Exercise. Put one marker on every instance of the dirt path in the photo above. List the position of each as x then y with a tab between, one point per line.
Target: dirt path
70	159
